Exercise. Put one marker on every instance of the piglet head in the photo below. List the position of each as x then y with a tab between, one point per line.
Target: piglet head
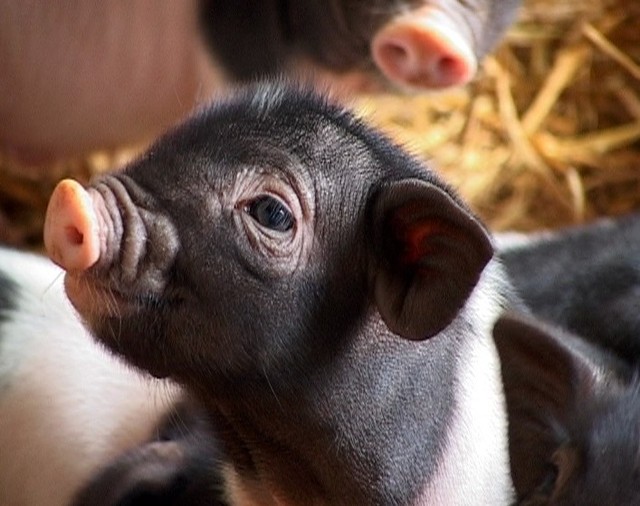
263	236
574	418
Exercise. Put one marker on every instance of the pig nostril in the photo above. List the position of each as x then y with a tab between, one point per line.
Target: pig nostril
423	53
395	56
395	52
449	66
74	236
447	63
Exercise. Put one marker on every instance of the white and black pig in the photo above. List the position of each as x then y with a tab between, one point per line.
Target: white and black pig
573	406
574	417
94	74
326	298
67	407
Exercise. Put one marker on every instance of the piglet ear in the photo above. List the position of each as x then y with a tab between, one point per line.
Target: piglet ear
542	378
429	253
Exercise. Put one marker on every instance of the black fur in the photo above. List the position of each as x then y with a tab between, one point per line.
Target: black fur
180	467
250	38
573	412
587	280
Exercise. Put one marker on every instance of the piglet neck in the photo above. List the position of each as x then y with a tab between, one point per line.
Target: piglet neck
385	420
342	434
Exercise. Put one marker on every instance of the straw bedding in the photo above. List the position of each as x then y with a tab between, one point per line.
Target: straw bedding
548	135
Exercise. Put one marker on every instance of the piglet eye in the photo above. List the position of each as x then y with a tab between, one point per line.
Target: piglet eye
271	213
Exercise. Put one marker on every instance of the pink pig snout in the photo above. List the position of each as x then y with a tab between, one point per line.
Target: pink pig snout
424	49
71	230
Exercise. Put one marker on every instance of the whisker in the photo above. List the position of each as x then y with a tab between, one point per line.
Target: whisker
53	282
266	377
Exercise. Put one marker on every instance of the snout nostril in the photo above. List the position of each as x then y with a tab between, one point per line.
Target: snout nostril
448	63
394	52
74	236
450	66
71	229
395	56
424	52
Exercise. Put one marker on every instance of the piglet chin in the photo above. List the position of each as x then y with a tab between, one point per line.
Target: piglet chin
94	301
96	304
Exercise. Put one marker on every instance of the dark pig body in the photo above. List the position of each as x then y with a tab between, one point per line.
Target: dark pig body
85	75
585	279
573	417
327	299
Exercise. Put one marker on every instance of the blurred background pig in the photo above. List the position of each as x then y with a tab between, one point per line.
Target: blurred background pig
573	412
66	405
85	75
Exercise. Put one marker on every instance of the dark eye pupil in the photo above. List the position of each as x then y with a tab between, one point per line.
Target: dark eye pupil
271	213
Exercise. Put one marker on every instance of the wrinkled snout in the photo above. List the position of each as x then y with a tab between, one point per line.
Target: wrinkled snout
424	49
112	230
72	230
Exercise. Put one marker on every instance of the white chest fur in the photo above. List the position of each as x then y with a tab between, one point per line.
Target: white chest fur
474	469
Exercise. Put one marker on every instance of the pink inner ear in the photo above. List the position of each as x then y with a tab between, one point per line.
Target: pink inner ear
415	236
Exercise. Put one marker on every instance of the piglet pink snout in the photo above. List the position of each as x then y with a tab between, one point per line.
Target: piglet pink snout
424	49
71	229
